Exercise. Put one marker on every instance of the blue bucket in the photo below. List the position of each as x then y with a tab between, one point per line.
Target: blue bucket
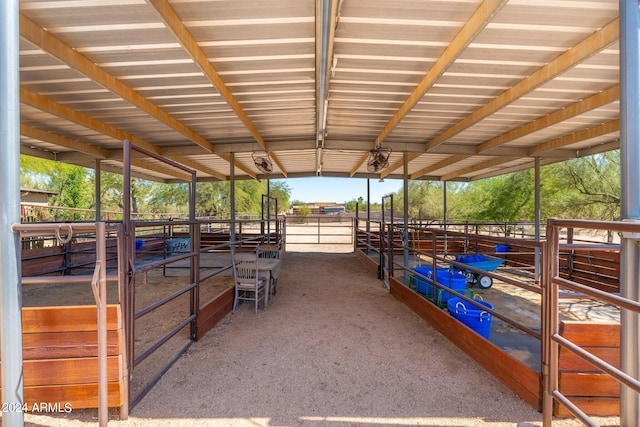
502	248
422	284
452	280
139	243
475	318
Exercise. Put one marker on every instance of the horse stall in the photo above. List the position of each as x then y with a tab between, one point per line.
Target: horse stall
149	303
514	352
73	352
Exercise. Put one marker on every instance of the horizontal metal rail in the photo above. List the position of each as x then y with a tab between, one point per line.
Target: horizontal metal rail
164	339
147	388
163	301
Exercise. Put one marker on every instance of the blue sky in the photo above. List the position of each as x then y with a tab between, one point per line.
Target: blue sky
340	190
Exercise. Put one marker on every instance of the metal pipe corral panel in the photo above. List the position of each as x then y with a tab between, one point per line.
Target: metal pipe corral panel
10	290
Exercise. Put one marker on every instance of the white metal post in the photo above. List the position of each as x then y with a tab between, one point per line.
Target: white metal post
10	290
630	201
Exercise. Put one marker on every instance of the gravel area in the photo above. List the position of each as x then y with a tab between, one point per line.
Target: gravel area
334	348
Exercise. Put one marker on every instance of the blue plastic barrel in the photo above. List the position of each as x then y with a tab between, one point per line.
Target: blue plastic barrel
472	316
422	286
451	279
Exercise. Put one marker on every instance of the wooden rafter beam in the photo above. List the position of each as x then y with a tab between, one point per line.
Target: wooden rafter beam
63	141
240	166
50	106
595	101
160	168
582	135
600	148
134	173
279	164
188	42
197	166
96	152
480	18
441	164
554	144
117	156
358	164
477	167
399	164
511	169
578	53
34	152
57	48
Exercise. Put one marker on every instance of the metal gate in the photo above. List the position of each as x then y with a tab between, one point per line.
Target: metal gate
320	229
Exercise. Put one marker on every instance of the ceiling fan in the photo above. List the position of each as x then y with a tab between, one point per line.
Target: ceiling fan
378	159
262	161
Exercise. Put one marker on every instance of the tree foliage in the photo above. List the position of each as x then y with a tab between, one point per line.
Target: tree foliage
585	188
214	198
281	191
75	188
68	182
502	198
595	185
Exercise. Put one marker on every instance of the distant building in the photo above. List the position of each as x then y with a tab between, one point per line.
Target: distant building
320	208
35	197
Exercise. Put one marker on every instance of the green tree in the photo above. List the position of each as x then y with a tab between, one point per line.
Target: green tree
72	191
595	187
425	199
213	199
304	211
68	182
168	198
282	192
350	206
502	198
249	196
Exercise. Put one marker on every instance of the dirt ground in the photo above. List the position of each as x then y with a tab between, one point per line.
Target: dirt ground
334	348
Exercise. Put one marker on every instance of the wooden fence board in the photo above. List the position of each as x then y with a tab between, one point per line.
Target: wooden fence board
68	371
594	406
60	357
584	385
213	311
67	318
49	345
77	396
569	361
593	334
581	384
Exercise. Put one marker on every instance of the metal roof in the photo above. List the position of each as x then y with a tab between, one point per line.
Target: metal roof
469	89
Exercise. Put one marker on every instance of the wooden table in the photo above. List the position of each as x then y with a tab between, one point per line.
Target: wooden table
269	269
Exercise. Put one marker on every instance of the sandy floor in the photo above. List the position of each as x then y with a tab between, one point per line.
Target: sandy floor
334	348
